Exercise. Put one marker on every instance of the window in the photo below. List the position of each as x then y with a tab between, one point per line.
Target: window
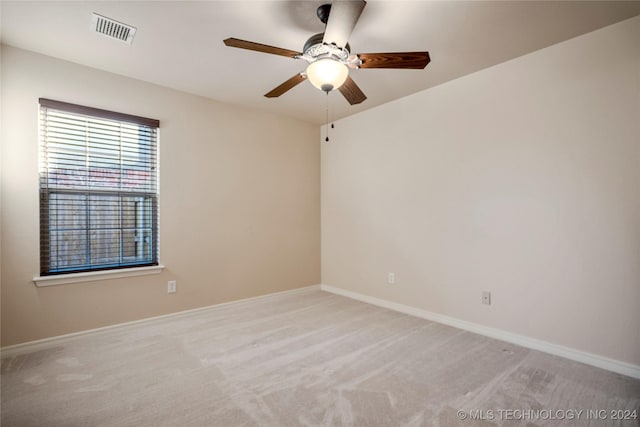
98	190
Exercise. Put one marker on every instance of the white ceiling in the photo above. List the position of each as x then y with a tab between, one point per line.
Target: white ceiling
179	44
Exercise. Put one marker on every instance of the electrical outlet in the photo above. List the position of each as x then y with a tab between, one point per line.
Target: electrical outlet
486	297
171	286
391	278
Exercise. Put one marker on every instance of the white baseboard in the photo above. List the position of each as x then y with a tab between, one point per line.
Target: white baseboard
28	347
609	364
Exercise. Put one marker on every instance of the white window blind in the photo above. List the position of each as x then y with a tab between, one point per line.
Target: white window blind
98	189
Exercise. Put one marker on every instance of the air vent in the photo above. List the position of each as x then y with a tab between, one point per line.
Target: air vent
110	28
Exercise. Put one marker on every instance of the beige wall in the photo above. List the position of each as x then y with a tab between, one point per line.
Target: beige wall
239	204
522	179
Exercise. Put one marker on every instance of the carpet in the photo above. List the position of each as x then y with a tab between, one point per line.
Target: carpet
305	359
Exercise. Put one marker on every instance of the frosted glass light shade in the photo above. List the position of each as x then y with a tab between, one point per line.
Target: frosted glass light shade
327	74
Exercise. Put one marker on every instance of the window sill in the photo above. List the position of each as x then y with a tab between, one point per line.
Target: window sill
64	279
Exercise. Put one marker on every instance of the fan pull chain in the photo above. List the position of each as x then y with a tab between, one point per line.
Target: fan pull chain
327	121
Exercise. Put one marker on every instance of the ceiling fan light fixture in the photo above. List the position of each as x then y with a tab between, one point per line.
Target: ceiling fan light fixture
327	74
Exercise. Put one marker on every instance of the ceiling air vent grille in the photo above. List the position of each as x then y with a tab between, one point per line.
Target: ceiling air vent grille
111	28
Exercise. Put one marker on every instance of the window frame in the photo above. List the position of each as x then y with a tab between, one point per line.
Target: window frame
48	277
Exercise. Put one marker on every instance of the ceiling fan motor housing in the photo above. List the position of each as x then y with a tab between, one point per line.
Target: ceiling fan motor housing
314	49
312	41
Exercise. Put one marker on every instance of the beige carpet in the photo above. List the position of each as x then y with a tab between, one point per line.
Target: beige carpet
312	359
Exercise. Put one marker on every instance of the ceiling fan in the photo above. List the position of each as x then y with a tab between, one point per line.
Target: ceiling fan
329	54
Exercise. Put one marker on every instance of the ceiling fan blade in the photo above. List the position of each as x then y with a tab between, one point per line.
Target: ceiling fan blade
413	60
342	19
352	92
259	47
289	84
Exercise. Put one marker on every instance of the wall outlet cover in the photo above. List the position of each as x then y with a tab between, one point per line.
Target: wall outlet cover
486	297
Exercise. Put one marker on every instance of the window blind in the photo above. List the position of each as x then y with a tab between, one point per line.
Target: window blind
98	189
